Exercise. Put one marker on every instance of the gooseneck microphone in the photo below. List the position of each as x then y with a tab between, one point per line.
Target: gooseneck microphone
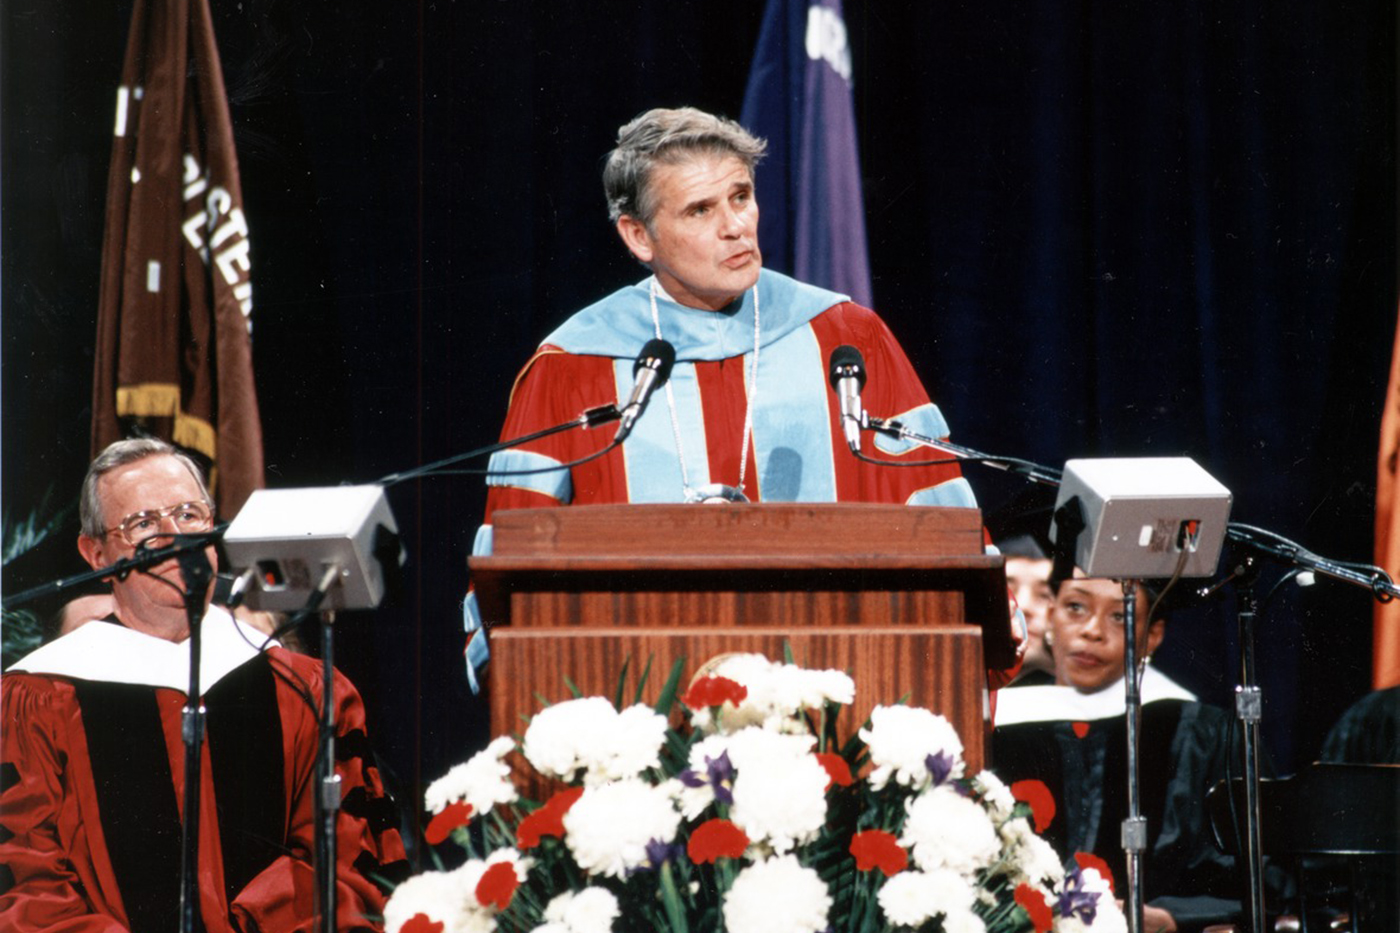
652	369
847	374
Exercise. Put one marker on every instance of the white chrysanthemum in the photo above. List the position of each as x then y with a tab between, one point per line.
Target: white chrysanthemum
779	790
1108	916
901	740
635	745
753	744
777	894
483	781
591	910
591	736
947	830
558	735
449	897
912	897
797	688
777	694
1030	858
609	827
996	796
963	921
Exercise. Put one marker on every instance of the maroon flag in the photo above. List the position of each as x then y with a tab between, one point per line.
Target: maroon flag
174	358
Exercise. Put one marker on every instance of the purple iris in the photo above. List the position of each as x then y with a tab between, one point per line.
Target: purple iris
719	774
659	852
1074	900
940	765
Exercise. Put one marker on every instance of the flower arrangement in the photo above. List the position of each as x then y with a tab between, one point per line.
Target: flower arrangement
751	820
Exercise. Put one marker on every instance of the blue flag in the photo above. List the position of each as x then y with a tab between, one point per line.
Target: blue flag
812	222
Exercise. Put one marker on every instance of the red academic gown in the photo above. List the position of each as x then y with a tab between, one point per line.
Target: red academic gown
797	451
556	386
92	793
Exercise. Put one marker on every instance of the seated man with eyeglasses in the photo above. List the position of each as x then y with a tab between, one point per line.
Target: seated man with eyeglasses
92	759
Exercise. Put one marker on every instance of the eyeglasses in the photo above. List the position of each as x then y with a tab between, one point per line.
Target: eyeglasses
188	517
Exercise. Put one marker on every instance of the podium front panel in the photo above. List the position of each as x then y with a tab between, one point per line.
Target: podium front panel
938	668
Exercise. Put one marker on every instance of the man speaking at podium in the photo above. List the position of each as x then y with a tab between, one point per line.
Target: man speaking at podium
93	764
747	414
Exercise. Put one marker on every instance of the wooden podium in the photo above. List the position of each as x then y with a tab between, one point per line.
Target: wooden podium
905	599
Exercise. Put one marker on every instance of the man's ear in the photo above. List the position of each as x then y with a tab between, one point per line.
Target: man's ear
634	233
93	551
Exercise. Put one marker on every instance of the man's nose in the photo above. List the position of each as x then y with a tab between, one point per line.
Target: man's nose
733	223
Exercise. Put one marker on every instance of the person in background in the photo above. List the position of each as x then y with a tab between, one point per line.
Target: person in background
1028	575
1071	736
92	757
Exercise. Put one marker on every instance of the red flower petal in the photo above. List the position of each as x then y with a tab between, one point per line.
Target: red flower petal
714	839
836	769
1033	903
421	923
1081	729
458	813
1090	860
876	848
1041	800
548	820
497	886
714	691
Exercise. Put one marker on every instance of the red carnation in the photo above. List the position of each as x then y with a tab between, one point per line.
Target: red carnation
714	691
548	820
1090	860
714	839
1042	802
458	813
1033	903
422	923
876	848
497	885
837	771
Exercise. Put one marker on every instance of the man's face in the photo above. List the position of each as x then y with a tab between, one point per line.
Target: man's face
152	483
1088	622
702	244
1029	579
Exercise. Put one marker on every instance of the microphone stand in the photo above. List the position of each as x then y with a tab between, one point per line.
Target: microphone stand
1134	827
327	797
1249	701
122	569
893	428
197	572
590	418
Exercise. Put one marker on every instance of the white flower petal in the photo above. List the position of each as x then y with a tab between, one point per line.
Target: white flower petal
777	894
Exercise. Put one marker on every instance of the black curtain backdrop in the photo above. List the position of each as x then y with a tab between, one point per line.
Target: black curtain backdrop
1098	229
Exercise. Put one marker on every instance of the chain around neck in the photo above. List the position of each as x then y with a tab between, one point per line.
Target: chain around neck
691	494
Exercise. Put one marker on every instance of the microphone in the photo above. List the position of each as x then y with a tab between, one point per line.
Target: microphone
652	369
847	371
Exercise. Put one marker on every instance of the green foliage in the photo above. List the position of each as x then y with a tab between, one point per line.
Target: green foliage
21	630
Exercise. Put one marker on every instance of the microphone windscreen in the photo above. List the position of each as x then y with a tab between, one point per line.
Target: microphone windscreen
658	355
846	361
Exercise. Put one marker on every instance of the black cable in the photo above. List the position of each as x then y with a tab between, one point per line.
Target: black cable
1016	465
488	472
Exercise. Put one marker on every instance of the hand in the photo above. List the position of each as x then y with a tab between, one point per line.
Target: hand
1155	920
1020	631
